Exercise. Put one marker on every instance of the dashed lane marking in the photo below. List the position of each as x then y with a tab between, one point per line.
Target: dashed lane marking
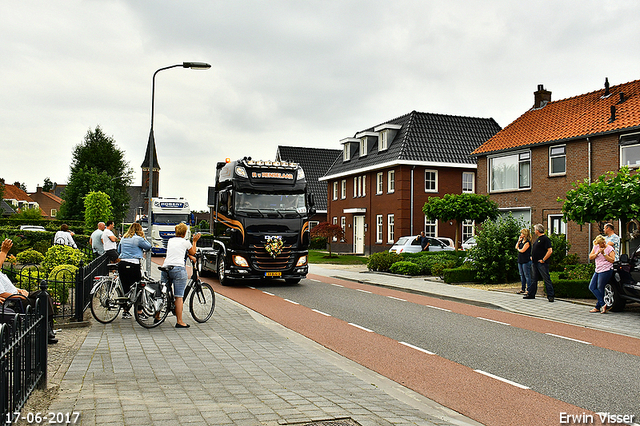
397	298
436	307
363	291
337	285
266	292
567	338
291	301
417	348
321	313
490	320
502	379
361	327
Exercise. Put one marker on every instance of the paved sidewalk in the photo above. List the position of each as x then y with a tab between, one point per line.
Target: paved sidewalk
626	323
237	369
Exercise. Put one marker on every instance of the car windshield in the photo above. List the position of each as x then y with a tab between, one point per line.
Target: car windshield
245	201
402	241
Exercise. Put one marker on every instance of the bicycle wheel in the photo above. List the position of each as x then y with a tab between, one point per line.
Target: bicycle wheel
202	301
150	311
104	302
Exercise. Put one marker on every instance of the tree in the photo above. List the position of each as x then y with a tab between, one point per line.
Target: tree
22	185
329	231
494	257
460	207
611	196
97	165
97	208
48	185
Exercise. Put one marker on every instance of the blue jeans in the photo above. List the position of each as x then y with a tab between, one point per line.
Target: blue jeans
178	278
525	275
598	281
541	272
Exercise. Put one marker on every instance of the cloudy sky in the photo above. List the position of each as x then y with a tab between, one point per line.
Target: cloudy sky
303	73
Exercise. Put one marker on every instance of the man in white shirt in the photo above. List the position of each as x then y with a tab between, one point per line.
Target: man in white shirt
110	242
96	239
7	289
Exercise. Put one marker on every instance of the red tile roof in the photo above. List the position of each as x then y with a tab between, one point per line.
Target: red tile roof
12	192
565	119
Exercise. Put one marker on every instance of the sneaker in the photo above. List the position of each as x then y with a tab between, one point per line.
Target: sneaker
142	315
126	315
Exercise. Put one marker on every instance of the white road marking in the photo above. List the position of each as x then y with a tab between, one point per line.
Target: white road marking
397	298
417	348
321	313
315	281
435	307
502	379
336	285
490	320
266	292
567	338
361	327
364	291
291	301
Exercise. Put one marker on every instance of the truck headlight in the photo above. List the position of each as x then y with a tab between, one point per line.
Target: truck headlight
302	261
240	261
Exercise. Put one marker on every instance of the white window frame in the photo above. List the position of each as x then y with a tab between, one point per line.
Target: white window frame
520	160
335	190
390	228
379	183
557	152
343	225
363	146
470	177
346	152
364	185
433	181
54	212
379	228
335	222
468	229
343	189
391	181
430	228
630	155
554	221
383	144
355	187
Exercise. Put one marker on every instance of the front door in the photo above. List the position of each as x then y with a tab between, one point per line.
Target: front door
358	234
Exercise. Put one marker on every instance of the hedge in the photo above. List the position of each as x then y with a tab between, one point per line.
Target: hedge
461	274
576	289
405	267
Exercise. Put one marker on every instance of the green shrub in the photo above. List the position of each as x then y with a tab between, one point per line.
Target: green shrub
404	267
495	256
576	289
426	260
461	274
61	279
582	271
29	278
382	261
439	267
560	247
30	256
42	246
318	243
62	255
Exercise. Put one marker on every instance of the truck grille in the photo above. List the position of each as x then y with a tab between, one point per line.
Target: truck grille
262	261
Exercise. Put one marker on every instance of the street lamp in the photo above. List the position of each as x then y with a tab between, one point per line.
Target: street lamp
152	142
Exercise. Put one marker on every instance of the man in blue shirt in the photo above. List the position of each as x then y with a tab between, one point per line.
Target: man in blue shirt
612	239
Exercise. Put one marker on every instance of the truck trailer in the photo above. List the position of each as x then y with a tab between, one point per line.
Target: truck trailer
260	222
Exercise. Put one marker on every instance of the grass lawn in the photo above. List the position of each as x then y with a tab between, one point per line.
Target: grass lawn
322	256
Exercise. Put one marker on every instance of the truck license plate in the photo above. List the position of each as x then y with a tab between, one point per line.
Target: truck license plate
272	274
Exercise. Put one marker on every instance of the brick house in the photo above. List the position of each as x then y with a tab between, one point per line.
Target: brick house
534	160
18	199
315	162
386	173
48	202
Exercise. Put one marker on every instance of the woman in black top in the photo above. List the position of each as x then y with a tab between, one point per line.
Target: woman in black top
524	259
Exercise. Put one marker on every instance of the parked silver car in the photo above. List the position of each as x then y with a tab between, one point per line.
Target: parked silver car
412	245
470	242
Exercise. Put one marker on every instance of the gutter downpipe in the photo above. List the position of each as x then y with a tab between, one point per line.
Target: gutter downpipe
411	202
589	177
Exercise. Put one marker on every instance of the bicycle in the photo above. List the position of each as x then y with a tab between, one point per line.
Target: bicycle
202	302
108	300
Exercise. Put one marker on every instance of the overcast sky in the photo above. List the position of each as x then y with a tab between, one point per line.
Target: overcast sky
302	73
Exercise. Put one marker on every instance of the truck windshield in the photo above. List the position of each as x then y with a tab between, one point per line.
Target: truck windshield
280	202
170	219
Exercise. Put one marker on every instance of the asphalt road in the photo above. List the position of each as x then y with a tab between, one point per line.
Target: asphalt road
533	357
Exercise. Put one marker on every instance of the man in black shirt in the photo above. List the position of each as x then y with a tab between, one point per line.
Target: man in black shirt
540	254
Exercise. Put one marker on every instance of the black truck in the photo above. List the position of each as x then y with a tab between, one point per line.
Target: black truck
260	222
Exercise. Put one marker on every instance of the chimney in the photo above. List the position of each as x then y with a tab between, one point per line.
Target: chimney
606	87
541	97
613	114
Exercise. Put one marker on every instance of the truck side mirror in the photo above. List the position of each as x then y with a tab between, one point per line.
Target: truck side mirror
224	197
310	200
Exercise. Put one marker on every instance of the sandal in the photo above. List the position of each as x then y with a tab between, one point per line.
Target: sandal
594	310
521	292
603	310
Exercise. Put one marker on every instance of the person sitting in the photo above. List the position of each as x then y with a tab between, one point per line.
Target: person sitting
64	237
8	290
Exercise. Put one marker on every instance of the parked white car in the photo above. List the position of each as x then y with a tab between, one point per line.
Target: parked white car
412	245
447	241
32	228
470	242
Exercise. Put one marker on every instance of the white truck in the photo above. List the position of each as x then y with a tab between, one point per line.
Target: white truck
166	213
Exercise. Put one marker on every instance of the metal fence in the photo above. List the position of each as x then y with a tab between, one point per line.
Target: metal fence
23	355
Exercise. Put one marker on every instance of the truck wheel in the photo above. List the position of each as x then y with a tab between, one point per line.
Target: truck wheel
292	281
612	297
222	276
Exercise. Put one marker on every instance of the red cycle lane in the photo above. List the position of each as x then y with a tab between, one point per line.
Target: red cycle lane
482	398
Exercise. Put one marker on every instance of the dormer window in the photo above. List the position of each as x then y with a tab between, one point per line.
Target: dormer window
346	154
363	146
382	140
386	133
348	147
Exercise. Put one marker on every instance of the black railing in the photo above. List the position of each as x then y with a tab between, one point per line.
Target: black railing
23	354
84	281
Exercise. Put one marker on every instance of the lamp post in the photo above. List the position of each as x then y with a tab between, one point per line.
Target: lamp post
152	142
